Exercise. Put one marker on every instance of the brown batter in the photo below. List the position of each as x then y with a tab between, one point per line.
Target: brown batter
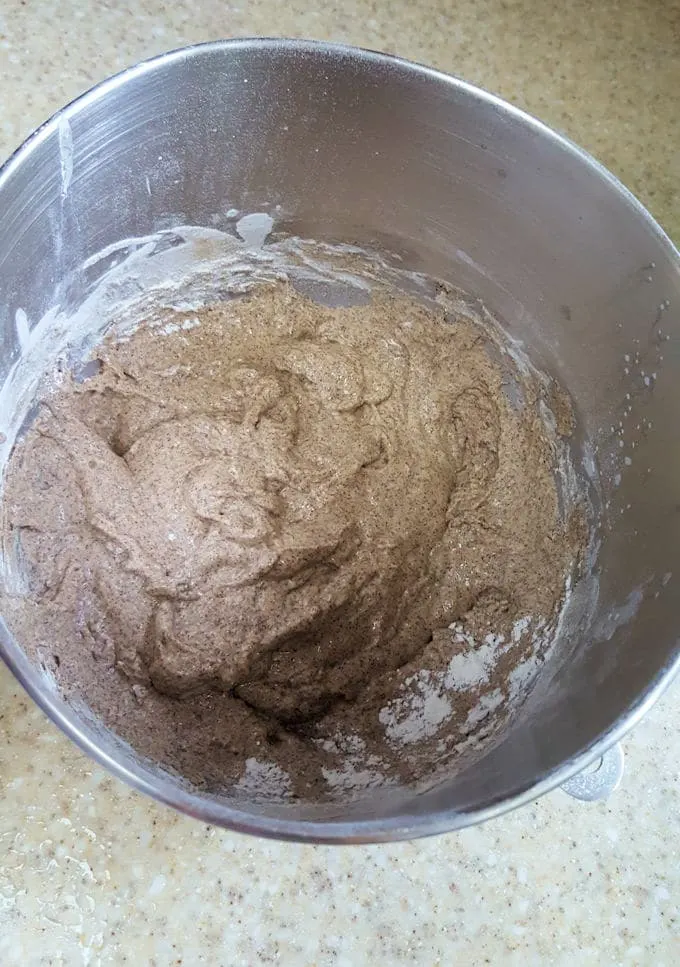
267	514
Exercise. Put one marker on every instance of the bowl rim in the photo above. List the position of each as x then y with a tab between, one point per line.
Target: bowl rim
202	806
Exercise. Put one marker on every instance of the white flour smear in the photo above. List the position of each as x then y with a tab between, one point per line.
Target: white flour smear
428	700
360	770
264	780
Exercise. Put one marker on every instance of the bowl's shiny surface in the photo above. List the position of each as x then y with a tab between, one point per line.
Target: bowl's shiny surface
357	146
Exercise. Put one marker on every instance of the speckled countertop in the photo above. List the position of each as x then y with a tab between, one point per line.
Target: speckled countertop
92	873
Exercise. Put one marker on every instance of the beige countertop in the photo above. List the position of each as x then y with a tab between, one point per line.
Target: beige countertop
92	873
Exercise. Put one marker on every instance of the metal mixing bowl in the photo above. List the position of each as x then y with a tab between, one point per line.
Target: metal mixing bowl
357	146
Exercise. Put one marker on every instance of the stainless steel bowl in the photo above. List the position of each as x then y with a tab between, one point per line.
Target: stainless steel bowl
356	146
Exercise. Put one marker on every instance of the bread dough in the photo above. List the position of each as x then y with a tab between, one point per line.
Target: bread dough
285	505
